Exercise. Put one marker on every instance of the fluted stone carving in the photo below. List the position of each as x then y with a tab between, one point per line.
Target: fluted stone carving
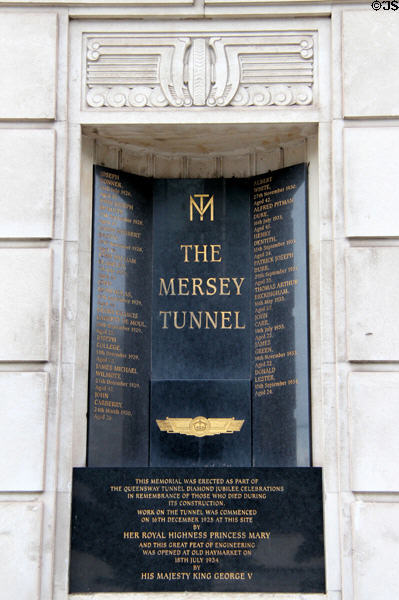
180	71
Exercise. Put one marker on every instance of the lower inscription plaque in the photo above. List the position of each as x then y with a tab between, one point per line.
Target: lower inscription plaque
213	529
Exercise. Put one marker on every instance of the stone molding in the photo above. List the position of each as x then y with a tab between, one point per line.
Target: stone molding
133	71
95	3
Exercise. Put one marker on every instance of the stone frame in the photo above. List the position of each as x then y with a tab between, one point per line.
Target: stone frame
83	152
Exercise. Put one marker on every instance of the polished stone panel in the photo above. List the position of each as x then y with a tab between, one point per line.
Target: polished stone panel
280	346
221	295
201	280
201	319
120	320
200	423
223	530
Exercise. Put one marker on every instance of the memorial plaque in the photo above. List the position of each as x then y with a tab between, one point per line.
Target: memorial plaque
223	530
199	450
225	288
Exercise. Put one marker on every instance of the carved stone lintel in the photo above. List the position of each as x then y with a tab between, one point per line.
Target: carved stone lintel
118	96
137	72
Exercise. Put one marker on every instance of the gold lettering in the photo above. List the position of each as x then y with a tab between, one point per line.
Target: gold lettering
209	318
211	284
130	535
175	313
237	326
165	314
185	286
202	250
224	284
224	319
197	285
201	209
167	290
183	283
215	251
196	320
186	247
238	284
226	316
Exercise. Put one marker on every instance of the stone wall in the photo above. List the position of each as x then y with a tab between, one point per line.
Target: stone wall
50	134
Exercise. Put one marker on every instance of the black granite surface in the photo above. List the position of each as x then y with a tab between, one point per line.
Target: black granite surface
280	349
120	336
231	530
180	294
210	399
201	314
208	352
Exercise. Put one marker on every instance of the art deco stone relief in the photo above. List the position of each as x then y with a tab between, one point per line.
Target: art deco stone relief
181	71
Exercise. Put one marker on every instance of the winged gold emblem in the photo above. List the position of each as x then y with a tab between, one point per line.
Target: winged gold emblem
199	426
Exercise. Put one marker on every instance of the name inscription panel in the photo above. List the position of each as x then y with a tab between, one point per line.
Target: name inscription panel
281	413
235	530
120	337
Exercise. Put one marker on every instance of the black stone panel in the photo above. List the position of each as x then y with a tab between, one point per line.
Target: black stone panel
215	342
280	348
236	310
212	400
120	337
225	530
